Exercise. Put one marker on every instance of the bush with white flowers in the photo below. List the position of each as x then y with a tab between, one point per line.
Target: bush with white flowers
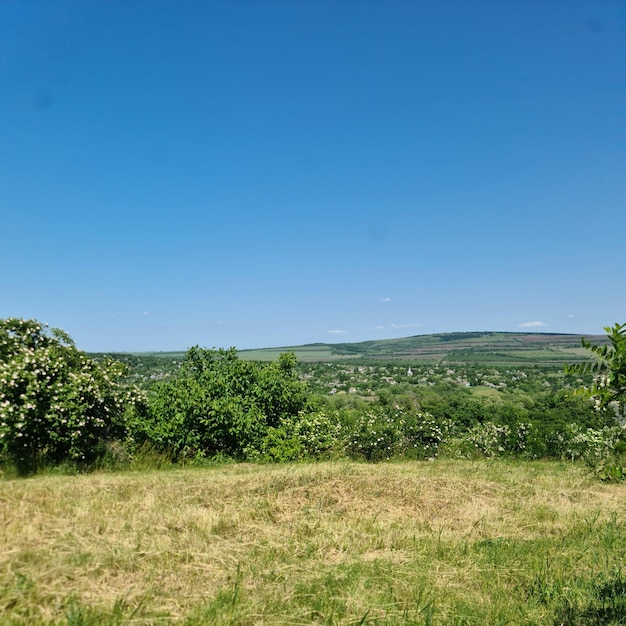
381	433
595	446
56	403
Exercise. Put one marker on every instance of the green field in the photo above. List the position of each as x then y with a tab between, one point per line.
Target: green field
483	347
447	542
313	352
477	347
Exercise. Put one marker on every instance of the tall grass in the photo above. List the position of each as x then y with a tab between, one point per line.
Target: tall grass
447	542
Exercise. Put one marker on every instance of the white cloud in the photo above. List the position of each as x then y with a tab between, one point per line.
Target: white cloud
570	315
397	326
388	327
385	300
532	325
145	313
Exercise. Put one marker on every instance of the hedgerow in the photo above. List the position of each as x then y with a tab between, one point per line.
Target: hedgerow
58	405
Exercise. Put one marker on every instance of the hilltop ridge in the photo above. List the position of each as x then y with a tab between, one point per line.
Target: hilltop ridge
482	346
487	347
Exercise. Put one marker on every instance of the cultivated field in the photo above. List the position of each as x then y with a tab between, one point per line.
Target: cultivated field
477	347
444	542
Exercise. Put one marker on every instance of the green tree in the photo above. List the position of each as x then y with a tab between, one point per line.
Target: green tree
218	403
56	403
608	367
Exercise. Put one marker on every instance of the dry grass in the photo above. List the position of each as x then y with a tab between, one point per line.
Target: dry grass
444	542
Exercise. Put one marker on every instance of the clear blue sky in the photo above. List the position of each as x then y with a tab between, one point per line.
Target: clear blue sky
269	173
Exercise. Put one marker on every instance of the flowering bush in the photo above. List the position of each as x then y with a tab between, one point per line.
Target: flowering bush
423	433
379	434
594	446
307	435
56	403
374	436
489	438
317	432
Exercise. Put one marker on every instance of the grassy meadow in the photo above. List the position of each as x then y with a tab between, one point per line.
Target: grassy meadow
443	542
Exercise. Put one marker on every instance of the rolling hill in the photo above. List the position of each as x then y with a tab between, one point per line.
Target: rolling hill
476	347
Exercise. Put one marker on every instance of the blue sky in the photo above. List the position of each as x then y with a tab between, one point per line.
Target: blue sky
270	173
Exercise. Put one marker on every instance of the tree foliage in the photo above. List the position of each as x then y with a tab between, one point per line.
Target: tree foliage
608	367
219	404
56	403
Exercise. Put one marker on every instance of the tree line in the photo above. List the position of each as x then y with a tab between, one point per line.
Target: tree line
59	406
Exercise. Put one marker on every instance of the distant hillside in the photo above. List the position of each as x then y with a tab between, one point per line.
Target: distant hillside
474	347
471	347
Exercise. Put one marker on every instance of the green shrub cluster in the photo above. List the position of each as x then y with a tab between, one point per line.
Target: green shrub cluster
219	404
58	406
313	435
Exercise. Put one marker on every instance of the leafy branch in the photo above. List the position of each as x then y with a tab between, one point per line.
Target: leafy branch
608	367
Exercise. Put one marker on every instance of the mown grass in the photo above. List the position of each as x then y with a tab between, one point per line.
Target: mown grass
447	542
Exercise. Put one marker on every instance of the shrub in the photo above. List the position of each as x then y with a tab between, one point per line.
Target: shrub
594	446
279	445
383	432
489	438
218	403
317	432
372	436
56	403
423	434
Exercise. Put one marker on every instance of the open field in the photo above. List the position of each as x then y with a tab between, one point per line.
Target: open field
473	347
479	347
447	542
313	352
504	350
